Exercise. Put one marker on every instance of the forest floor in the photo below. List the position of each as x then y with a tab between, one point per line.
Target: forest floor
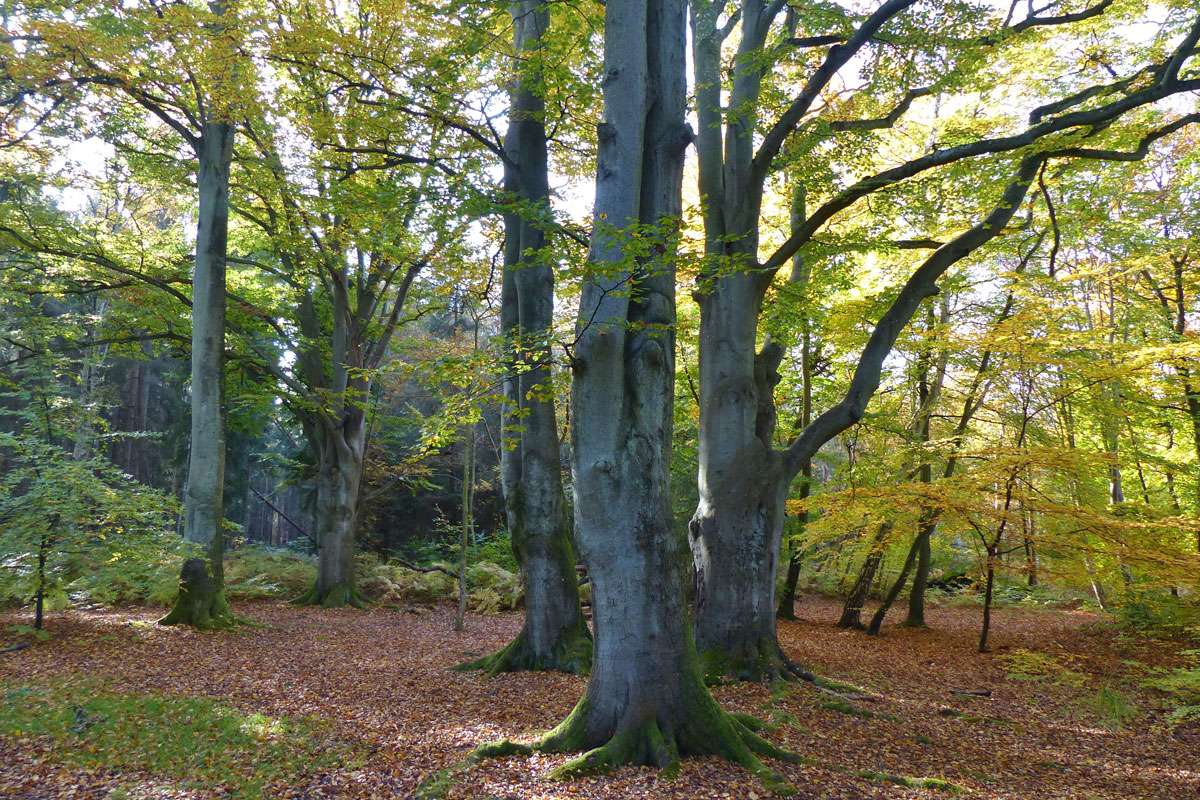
350	704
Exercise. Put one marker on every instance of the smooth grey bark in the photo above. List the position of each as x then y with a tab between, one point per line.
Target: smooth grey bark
555	633
645	701
202	602
735	536
340	450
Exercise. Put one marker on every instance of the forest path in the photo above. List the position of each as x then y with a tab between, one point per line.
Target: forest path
381	680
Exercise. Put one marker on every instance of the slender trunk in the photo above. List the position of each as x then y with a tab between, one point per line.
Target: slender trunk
466	529
201	602
916	595
916	550
987	604
39	610
1030	548
799	281
1192	396
555	633
852	608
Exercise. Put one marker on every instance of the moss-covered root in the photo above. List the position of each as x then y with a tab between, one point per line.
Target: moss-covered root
572	653
765	662
337	596
201	603
708	731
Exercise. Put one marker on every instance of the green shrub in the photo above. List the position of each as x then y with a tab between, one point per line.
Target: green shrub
495	549
1158	612
492	588
256	571
1111	707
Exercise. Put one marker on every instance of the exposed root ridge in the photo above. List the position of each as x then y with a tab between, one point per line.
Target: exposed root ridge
708	731
338	596
572	654
203	613
765	662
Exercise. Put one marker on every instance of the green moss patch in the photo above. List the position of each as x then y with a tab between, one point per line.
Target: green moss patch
196	742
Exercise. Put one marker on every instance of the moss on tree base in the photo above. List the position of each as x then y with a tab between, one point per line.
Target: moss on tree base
572	653
762	662
201	602
704	730
339	595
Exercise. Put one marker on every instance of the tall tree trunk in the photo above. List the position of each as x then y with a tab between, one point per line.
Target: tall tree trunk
645	702
555	634
800	282
201	601
466	528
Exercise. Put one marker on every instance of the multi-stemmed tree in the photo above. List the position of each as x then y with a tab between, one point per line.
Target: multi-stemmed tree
744	474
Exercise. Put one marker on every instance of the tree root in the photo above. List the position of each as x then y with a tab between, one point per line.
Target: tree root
765	662
201	602
338	596
708	730
572	653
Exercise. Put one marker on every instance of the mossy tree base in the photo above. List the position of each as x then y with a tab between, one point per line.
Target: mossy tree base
339	595
705	730
762	661
201	603
572	653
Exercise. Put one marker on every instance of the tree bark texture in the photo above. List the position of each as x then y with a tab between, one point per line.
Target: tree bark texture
554	635
202	603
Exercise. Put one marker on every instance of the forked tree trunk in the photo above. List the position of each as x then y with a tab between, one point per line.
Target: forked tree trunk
916	595
555	635
202	603
852	608
645	702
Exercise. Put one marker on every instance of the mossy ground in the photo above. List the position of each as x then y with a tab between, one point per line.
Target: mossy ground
341	595
197	743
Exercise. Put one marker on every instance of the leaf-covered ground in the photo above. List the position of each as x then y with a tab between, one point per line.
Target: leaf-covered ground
374	688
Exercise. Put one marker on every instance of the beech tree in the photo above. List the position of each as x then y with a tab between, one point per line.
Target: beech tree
555	634
744	476
645	702
191	78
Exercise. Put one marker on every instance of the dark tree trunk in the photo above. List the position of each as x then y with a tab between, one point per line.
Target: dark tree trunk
852	608
916	595
555	634
987	606
914	551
